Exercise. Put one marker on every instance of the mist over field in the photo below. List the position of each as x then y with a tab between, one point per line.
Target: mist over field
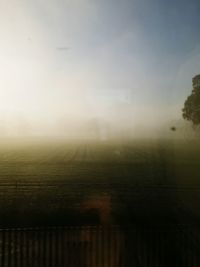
95	128
118	120
74	69
99	141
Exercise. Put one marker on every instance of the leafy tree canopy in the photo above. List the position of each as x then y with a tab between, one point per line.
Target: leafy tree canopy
191	110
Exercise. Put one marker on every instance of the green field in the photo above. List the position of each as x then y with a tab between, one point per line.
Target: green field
78	183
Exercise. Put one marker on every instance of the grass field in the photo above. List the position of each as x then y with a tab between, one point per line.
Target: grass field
85	183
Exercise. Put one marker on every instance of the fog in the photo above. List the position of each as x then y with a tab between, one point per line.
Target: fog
73	69
118	121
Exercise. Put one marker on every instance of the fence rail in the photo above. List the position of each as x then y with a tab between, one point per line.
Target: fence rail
100	247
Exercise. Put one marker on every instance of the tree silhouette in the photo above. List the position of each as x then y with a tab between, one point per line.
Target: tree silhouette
191	110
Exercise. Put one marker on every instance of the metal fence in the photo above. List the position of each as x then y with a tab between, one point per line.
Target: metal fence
100	247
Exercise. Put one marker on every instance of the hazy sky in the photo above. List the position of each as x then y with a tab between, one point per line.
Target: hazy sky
70	60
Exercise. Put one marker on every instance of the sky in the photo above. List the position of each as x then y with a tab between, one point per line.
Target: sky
64	63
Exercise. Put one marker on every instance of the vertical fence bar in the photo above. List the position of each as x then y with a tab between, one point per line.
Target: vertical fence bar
29	246
63	247
15	249
57	247
36	250
99	247
43	248
6	249
39	248
2	247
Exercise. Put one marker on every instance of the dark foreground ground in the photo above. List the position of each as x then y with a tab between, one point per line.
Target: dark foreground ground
59	183
149	189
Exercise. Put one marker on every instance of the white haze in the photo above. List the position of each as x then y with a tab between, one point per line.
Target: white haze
59	79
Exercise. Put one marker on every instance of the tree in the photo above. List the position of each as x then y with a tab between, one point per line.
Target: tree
191	110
